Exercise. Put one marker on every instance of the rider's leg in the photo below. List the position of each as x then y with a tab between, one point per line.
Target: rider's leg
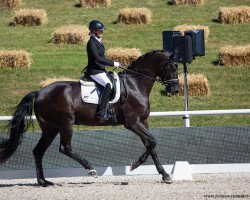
103	80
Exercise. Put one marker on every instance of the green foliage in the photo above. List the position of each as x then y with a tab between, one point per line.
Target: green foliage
229	86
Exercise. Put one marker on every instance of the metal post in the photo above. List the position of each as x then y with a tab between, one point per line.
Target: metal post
186	117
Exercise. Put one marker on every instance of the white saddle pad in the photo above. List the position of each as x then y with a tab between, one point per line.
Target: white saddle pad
90	93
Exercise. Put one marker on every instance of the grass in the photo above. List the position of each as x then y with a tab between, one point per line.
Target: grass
229	86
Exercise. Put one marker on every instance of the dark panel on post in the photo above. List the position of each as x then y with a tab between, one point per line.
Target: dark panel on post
168	43
198	42
183	48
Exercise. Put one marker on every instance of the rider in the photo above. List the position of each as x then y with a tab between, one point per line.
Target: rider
96	65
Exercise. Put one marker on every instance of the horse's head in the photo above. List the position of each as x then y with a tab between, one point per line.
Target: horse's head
168	73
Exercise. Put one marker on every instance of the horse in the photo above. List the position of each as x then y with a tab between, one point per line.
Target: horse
58	107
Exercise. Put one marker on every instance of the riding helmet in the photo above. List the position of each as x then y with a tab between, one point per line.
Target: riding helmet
96	25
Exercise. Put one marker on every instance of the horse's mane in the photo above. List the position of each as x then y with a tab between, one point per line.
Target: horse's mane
139	59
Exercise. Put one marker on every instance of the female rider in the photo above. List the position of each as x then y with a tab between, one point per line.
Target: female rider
96	65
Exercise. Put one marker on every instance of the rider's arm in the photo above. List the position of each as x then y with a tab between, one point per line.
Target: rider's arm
94	52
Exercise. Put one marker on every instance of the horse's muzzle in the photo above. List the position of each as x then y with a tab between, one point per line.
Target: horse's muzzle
173	87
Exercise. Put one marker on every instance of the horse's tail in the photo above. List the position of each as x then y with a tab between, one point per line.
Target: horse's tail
17	126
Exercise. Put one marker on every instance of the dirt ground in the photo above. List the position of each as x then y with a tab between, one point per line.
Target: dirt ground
222	186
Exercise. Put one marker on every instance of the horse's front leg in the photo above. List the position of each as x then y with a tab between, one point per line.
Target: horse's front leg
149	142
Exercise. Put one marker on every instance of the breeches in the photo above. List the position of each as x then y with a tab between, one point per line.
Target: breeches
102	79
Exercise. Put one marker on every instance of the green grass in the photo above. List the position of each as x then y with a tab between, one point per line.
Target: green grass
229	86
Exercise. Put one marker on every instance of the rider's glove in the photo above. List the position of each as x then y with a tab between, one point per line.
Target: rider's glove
117	64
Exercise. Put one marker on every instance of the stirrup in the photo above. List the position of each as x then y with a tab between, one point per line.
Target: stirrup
103	115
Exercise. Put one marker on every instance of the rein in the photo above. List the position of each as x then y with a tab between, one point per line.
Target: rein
160	80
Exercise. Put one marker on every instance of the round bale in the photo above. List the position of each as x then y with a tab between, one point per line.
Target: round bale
233	15
123	55
71	34
30	17
95	3
9	4
15	59
235	55
188	2
197	85
134	16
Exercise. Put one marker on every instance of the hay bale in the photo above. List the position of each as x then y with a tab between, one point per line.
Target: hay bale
95	3
30	17
233	15
48	81
188	2
186	27
15	59
123	55
197	85
134	16
9	3
235	55
71	34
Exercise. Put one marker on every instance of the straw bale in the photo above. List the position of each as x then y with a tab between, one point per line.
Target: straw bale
186	27
95	3
123	55
15	59
233	15
134	16
48	81
30	17
188	2
235	55
197	85
9	3
71	34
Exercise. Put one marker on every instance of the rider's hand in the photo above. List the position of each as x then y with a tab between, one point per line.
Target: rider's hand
117	64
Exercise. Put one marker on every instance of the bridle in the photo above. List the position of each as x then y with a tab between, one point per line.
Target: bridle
163	79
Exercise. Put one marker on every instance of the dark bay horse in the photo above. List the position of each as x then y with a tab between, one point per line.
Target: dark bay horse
58	107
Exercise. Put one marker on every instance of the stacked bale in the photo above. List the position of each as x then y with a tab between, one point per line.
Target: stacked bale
235	55
9	3
186	27
233	15
30	17
197	85
15	59
188	2
134	16
52	80
95	3
71	34
123	55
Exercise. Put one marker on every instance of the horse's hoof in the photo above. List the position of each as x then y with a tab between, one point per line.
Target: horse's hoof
134	165
167	179
45	183
93	173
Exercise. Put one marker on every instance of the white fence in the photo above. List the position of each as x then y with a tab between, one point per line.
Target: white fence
185	114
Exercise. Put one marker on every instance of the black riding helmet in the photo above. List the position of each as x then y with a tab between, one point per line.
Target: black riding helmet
96	25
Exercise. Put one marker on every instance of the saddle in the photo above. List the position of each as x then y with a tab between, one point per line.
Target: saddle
91	91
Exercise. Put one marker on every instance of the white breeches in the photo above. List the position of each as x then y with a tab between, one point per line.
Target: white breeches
102	79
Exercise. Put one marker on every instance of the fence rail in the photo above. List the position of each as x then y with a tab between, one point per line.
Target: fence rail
176	113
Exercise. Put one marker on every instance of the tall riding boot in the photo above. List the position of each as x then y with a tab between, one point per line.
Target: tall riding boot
103	107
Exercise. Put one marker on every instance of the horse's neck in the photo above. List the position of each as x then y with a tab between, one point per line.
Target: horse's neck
139	84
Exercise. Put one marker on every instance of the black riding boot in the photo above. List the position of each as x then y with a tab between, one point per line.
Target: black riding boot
103	107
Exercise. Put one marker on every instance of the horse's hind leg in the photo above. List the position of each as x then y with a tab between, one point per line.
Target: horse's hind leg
65	148
38	152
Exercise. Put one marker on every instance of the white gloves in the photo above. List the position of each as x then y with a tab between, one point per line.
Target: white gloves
117	64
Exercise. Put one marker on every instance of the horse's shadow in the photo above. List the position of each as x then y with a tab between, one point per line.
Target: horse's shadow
19	184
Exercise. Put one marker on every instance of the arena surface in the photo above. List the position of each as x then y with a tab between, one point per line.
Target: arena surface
225	186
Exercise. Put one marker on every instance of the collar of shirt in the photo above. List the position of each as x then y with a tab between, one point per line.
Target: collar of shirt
97	38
